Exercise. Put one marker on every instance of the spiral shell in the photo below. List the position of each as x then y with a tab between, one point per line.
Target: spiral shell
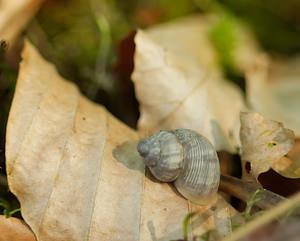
186	158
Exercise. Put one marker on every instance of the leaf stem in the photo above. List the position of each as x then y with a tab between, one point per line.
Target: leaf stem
244	190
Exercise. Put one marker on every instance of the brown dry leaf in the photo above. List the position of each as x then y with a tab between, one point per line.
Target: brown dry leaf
75	168
178	83
14	14
217	220
13	229
290	166
273	89
264	143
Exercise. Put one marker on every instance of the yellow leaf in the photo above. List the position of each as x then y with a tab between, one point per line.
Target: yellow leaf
14	15
75	168
13	229
273	89
264	143
289	166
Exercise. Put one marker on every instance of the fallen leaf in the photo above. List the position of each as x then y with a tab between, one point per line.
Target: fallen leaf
14	15
216	220
294	153
13	229
75	168
178	84
290	165
273	89
264	143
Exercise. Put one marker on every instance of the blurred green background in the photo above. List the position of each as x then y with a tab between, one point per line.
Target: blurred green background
84	38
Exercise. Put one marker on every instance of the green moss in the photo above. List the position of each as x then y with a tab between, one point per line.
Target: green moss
275	22
223	37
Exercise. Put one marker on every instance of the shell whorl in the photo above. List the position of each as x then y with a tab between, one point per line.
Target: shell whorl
199	179
163	154
185	157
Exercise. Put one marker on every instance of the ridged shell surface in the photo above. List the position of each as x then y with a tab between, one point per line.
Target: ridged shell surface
185	157
163	155
199	179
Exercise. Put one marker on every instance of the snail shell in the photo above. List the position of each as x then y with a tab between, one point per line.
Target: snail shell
186	158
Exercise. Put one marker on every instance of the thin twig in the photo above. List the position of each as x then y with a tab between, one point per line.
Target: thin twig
244	190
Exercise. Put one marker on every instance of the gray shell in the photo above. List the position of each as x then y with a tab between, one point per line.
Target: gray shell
185	157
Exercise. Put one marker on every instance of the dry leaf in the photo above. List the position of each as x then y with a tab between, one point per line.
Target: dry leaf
75	168
218	221
14	14
13	229
290	166
264	143
178	84
273	89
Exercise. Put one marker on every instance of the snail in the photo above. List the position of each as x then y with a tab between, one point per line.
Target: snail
186	158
